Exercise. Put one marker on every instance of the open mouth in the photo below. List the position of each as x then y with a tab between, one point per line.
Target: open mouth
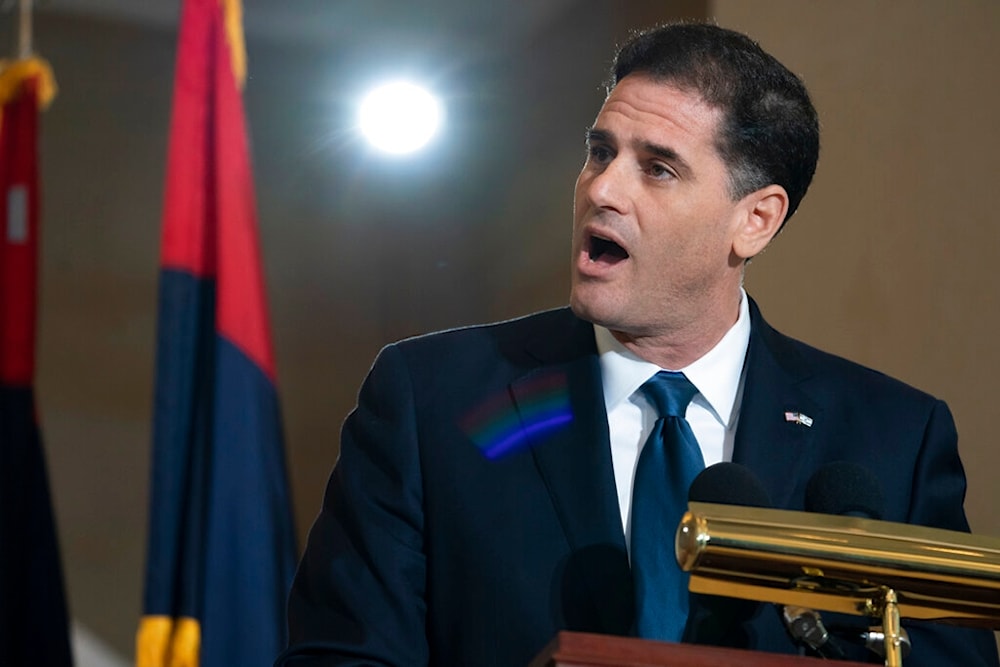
607	251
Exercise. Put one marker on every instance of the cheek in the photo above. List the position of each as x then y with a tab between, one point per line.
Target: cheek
687	247
712	230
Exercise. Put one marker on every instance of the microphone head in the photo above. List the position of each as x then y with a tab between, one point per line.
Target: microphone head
846	489
729	484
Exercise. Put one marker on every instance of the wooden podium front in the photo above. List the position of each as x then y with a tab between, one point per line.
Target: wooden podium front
577	649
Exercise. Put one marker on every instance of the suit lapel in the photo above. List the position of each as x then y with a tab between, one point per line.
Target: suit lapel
594	583
778	419
575	460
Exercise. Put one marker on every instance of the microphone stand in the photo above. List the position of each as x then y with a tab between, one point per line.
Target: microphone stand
888	607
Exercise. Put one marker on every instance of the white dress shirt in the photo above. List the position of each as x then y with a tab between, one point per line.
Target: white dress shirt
713	413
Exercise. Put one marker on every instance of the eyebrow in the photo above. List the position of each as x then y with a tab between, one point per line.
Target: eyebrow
595	135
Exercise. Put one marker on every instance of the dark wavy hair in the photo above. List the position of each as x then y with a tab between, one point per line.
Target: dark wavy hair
769	133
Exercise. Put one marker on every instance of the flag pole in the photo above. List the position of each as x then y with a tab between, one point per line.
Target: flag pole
24	31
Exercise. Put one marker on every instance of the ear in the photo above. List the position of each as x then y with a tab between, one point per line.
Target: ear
764	211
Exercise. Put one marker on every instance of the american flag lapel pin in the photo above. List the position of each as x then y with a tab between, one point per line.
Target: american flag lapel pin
798	418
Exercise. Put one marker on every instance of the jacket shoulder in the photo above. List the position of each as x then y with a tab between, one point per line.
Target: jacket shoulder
544	335
806	361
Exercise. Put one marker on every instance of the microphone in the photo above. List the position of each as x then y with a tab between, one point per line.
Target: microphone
806	627
845	489
718	620
728	483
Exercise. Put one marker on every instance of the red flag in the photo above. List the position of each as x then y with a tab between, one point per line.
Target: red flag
33	619
221	550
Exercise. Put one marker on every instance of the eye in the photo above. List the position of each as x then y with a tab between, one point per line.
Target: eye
599	153
660	171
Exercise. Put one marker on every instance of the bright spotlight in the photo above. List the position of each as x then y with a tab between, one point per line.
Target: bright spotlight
399	117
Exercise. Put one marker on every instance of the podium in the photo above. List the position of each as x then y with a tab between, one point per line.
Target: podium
577	649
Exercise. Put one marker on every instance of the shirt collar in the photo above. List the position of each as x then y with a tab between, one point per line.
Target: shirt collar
716	374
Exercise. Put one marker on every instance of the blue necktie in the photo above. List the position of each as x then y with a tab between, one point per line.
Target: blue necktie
669	462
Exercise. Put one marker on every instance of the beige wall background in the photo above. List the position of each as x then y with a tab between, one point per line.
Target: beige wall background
889	261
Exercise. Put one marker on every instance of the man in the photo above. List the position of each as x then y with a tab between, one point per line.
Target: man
488	492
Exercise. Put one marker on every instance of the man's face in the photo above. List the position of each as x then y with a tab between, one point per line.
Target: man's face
653	217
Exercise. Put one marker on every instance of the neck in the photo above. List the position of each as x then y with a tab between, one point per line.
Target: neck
680	346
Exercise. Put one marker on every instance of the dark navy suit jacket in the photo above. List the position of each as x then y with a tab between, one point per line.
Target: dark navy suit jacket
472	513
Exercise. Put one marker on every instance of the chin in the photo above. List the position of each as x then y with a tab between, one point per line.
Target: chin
602	311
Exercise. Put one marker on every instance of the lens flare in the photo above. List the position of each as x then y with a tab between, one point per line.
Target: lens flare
498	428
400	117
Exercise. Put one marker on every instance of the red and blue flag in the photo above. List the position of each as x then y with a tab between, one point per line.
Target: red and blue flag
34	626
221	550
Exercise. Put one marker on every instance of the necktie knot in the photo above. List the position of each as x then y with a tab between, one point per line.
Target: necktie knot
670	393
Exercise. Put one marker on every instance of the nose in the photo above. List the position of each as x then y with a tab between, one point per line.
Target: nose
608	188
